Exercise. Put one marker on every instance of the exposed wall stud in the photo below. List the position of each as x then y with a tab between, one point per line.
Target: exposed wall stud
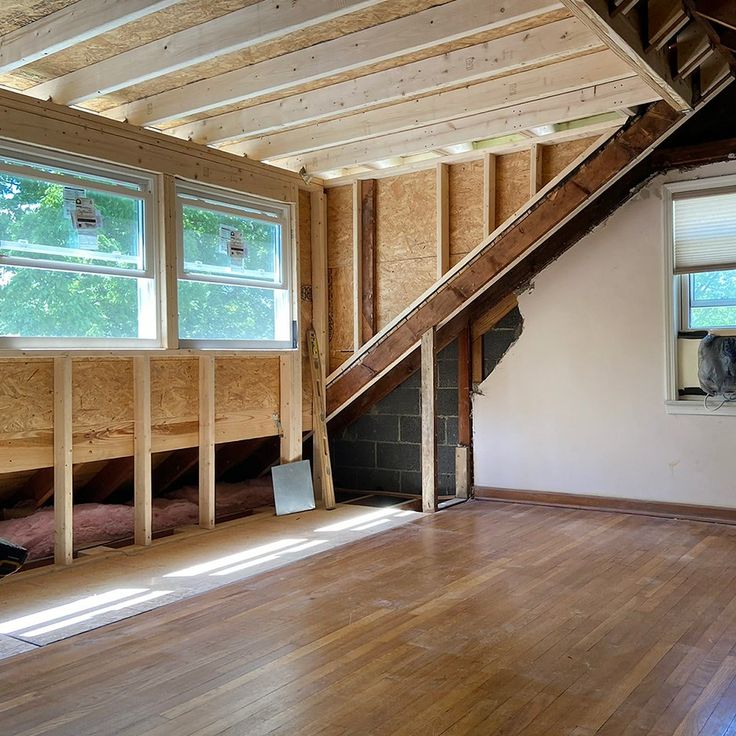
535	168
443	219
63	463
430	493
489	193
142	448
368	257
207	441
291	407
357	265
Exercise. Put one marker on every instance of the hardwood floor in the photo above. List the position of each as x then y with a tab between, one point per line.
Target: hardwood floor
484	619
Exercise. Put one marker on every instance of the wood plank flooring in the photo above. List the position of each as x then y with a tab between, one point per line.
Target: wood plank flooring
484	619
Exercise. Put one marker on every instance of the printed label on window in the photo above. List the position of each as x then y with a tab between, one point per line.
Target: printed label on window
231	242
71	195
87	220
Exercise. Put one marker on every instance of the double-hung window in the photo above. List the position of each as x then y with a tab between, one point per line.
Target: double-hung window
234	270
77	259
704	244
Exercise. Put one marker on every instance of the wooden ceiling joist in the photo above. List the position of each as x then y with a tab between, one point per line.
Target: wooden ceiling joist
74	24
484	97
590	100
624	37
546	44
235	31
438	25
503	251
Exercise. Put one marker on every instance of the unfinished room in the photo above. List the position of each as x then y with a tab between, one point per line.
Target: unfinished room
367	367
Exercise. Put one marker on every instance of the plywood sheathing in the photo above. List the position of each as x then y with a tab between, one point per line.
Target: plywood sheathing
15	14
102	408
466	208
150	28
268	51
406	258
174	403
559	155
305	301
512	183
340	274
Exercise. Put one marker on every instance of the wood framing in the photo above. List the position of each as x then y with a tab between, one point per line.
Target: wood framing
463	458
142	447
207	442
442	195
489	193
368	326
536	168
63	463
430	490
550	211
290	412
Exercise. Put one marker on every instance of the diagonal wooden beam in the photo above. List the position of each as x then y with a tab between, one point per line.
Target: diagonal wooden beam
74	24
416	32
232	32
720	11
624	37
502	251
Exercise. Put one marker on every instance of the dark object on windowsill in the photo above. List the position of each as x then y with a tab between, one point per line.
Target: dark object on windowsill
691	391
12	557
717	366
692	335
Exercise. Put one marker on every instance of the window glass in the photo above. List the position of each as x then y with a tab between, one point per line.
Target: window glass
712	299
233	271
76	263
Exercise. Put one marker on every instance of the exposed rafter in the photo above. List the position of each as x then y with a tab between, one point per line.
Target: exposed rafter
556	41
438	25
74	24
590	100
484	97
238	30
624	38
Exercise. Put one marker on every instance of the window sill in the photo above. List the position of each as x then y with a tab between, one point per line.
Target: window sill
696	407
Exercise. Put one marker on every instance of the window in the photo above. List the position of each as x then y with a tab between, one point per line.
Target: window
234	270
77	267
704	242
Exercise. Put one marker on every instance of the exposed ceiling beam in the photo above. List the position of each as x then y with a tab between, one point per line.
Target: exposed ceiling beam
437	25
516	89
624	38
591	100
720	11
543	45
71	25
234	31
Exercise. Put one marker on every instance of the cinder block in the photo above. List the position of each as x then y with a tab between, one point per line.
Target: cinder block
399	456
402	401
451	431
446	484
382	427
411	482
410	429
446	405
449	352
379	479
354	454
439	428
446	460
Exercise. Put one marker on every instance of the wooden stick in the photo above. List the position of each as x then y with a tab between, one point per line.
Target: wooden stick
442	196
489	194
207	442
321	442
63	463
142	445
430	492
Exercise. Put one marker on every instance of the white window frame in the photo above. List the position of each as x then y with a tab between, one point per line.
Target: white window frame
231	202
147	186
676	293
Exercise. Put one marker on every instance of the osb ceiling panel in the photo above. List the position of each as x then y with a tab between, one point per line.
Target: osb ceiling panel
18	13
436	50
154	26
334	28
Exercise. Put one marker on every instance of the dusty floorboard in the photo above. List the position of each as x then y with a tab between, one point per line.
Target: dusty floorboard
484	619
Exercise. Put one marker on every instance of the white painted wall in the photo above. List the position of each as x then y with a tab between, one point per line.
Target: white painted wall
577	404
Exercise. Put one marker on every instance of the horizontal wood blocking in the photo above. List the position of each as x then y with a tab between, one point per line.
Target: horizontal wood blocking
608	503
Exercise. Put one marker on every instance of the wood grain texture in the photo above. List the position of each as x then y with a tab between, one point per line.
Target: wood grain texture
406	258
582	623
466	208
557	156
512	183
340	274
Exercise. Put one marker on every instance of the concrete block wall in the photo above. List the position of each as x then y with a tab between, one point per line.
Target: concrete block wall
381	451
497	341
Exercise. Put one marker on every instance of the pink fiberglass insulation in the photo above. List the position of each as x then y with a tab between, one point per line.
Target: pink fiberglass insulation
97	523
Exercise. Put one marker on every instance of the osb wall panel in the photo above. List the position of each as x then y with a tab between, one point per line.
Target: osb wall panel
15	14
557	156
465	207
305	301
512	183
26	414
246	397
102	408
174	403
340	275
406	258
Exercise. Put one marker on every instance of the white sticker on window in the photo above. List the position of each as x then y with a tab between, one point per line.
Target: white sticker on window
231	242
87	220
71	195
